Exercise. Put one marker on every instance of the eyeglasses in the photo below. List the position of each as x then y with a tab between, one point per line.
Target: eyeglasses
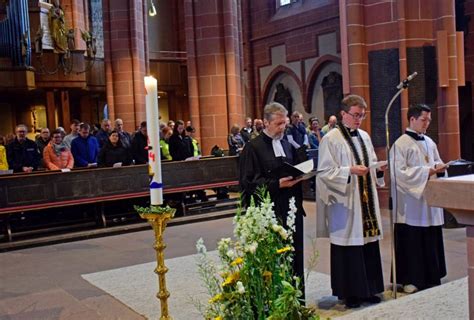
357	116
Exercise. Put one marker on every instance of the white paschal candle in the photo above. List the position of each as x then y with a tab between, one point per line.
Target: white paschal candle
154	156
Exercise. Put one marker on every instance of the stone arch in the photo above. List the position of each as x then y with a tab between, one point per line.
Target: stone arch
324	90
289	80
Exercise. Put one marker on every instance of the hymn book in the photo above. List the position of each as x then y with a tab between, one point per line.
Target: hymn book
303	170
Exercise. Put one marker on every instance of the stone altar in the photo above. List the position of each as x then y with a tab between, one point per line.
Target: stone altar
456	194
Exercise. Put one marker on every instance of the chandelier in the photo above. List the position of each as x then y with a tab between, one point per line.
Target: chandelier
152	9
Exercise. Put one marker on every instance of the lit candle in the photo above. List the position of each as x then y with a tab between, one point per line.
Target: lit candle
153	125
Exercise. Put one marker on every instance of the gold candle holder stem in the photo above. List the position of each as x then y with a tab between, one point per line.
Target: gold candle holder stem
158	222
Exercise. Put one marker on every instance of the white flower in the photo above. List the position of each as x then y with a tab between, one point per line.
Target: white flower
276	227
223	244
290	220
200	247
283	234
252	248
231	254
240	287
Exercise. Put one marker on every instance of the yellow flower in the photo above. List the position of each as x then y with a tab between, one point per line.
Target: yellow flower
237	261
267	275
285	249
231	279
216	298
218	318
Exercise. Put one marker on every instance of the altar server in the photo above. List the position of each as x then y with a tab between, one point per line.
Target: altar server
419	251
348	207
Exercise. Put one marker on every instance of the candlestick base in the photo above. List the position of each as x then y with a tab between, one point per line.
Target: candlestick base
158	217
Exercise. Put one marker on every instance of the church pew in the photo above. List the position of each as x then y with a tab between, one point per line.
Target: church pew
53	189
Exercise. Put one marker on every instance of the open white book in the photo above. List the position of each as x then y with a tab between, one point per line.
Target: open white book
303	170
378	164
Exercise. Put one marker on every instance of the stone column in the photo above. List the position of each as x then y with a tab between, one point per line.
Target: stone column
357	62
76	19
125	63
448	100
213	44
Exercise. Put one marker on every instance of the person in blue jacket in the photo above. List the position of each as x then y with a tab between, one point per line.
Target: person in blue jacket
85	148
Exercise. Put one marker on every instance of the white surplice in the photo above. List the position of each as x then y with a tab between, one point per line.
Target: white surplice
339	212
409	175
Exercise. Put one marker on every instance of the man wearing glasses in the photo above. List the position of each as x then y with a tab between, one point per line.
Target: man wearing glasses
22	153
348	207
419	249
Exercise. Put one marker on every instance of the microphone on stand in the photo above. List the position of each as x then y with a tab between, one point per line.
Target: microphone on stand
402	86
404	83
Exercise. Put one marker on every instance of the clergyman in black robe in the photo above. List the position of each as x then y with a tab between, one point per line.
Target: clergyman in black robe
258	161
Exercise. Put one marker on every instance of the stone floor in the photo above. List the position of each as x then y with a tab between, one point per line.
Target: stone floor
447	301
46	282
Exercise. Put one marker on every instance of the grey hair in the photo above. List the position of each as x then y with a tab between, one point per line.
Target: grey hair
273	108
22	125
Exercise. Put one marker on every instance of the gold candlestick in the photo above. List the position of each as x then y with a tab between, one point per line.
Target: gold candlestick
158	221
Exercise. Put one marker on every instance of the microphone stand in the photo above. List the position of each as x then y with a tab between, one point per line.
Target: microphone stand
402	86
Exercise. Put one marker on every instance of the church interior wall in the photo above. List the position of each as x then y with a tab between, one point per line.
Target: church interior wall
384	73
296	37
317	97
213	45
293	88
290	39
404	26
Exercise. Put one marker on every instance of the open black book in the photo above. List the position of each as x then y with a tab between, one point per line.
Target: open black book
304	170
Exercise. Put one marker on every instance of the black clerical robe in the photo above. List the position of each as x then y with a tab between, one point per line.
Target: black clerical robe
257	164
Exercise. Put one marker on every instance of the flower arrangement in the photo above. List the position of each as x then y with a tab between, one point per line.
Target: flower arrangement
255	278
154	210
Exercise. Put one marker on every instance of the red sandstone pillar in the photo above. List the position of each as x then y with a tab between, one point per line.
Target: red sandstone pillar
214	69
125	65
76	19
357	59
402	51
448	105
